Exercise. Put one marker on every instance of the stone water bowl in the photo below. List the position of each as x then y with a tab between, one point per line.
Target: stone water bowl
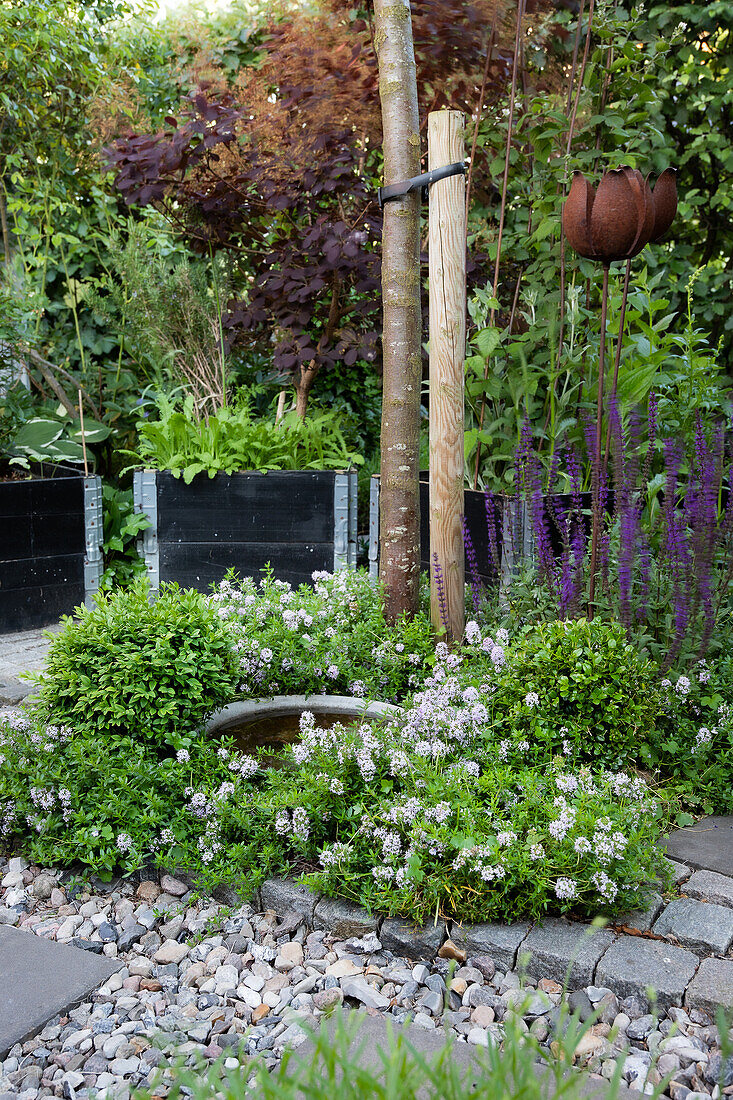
272	723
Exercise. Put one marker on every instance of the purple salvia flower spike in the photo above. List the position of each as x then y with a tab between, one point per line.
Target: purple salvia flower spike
490	506
440	586
476	586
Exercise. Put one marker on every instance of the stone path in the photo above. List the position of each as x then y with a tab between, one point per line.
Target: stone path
257	974
23	652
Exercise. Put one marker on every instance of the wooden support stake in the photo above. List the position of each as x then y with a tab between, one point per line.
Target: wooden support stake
447	353
83	440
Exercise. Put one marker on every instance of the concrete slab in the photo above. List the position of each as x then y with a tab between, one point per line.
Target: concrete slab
39	979
373	1036
707	844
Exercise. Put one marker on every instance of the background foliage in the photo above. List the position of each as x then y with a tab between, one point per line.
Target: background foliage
274	237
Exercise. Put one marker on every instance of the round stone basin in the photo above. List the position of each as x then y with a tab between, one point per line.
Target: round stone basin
272	723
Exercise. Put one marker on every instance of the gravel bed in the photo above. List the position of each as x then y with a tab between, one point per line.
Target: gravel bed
202	980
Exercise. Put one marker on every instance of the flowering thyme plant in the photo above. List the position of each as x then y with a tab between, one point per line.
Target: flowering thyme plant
331	638
437	810
426	813
109	802
113	768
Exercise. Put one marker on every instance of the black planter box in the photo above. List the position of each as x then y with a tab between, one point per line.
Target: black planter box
477	519
50	547
295	520
514	539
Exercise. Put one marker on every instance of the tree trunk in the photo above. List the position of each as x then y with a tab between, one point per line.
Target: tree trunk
303	382
402	321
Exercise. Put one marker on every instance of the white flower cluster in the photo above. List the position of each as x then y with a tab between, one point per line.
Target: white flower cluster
336	855
244	766
295	822
124	842
8	818
605	886
560	828
481	860
199	805
703	737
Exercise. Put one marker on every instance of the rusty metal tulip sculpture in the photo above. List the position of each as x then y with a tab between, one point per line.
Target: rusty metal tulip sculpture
623	215
609	224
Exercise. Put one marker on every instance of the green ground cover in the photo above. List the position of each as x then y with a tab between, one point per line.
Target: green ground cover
530	771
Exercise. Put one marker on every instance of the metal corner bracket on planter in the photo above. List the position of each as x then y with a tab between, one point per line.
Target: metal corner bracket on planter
514	539
297	521
50	547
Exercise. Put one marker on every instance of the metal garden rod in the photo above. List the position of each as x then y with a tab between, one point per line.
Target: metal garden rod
597	456
610	224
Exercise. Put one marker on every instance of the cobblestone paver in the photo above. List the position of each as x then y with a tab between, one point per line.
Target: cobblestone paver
23	652
710	886
643	919
703	926
711	986
634	964
194	981
563	949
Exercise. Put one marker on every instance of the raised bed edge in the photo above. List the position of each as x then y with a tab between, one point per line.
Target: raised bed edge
344	512
93	559
93	537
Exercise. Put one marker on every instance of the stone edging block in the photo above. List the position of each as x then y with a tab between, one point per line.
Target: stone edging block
500	941
343	918
642	919
404	937
629	965
634	964
560	949
680	871
702	926
13	691
710	886
711	986
284	895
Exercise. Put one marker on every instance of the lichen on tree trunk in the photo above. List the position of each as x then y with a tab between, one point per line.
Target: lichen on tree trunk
402	321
